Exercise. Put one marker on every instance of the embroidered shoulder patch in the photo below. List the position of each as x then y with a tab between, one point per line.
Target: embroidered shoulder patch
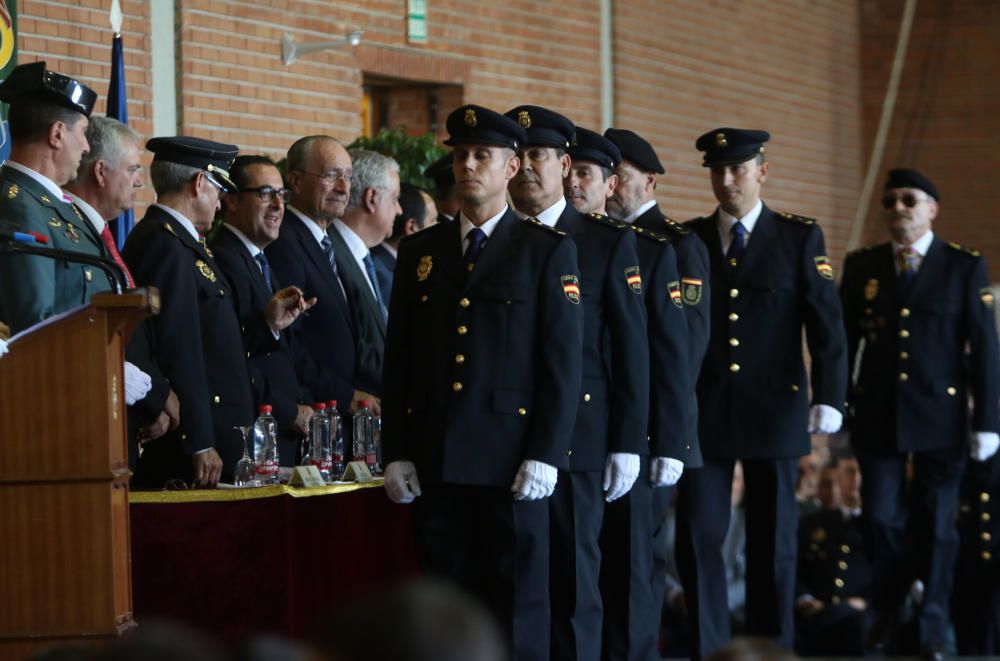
824	267
571	287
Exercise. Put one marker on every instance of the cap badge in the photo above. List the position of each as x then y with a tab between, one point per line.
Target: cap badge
691	290
424	268
571	287
206	270
524	119
720	140
871	289
675	293
634	279
470	118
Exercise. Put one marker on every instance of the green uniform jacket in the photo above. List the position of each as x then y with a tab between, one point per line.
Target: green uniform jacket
33	288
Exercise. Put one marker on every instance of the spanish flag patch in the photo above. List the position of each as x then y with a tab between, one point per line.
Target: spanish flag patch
571	287
824	267
675	293
634	279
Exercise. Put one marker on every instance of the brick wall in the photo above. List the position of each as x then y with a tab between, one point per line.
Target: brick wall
947	118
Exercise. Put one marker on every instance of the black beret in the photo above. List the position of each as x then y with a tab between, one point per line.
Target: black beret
545	128
476	125
726	146
214	157
907	178
33	81
595	148
635	149
442	171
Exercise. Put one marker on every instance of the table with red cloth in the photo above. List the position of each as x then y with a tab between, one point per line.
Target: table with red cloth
271	559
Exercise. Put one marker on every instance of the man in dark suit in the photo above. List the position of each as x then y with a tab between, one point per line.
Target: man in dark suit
319	179
482	381
367	222
446	194
417	212
630	598
912	307
770	278
251	221
610	432
196	339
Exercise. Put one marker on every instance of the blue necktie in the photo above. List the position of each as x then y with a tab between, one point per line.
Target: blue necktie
738	244
265	269
370	267
909	261
477	238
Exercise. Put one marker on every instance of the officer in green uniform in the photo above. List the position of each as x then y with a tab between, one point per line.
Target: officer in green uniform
48	118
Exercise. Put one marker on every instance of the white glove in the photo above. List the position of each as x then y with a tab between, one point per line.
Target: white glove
620	472
401	483
534	480
983	444
137	384
3	347
824	419
664	471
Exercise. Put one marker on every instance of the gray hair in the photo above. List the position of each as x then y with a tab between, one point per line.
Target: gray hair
171	177
301	151
370	170
106	137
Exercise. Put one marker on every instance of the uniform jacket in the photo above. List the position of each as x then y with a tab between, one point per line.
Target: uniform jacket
482	368
833	564
914	378
671	390
614	402
198	346
33	288
273	369
753	395
385	264
326	353
366	317
694	277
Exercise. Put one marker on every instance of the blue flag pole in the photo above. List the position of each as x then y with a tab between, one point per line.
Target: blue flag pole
118	109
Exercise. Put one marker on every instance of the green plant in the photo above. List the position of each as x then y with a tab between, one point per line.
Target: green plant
414	153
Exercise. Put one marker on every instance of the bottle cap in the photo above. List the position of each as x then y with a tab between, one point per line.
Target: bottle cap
332	404
363	403
319	406
265	408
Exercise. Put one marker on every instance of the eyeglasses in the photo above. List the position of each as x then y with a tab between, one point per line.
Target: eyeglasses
211	180
331	177
268	193
909	200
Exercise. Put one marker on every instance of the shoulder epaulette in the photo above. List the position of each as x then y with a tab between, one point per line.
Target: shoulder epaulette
169	228
12	191
605	220
956	246
675	227
534	222
649	234
794	218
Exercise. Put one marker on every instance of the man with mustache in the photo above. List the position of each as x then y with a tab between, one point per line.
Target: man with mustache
771	279
252	218
912	308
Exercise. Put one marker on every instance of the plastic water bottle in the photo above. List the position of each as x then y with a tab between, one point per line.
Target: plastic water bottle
364	435
320	442
265	442
337	434
377	441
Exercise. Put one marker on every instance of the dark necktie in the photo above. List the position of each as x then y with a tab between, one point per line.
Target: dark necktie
737	245
265	269
330	257
477	238
909	261
370	267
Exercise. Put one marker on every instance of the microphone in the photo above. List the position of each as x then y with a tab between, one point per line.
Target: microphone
19	245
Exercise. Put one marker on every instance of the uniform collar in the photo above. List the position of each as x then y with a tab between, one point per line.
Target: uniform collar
46	183
486	227
646	206
550	216
921	245
727	220
185	223
90	212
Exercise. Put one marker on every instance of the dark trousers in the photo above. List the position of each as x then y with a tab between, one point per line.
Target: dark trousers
631	612
771	523
837	630
662	546
928	514
497	549
576	510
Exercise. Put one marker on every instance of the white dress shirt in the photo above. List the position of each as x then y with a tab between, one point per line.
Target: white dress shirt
548	217
180	218
727	220
921	246
358	251
646	206
487	227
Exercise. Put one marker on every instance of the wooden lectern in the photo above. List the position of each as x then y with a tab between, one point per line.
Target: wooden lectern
64	528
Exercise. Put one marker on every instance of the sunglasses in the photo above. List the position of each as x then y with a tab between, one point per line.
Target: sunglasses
909	200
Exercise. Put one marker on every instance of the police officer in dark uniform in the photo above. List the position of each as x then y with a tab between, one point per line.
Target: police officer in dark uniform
630	599
770	278
48	121
634	202
477	420
610	431
196	339
911	308
442	172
